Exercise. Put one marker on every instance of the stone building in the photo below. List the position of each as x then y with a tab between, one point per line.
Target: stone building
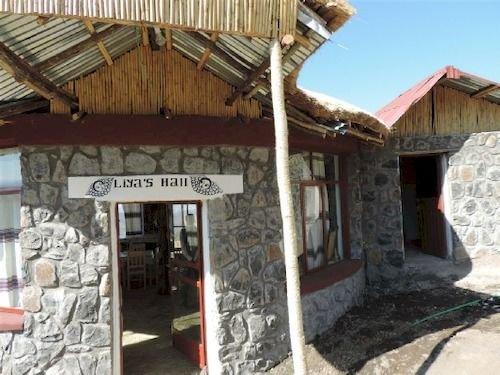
434	188
126	144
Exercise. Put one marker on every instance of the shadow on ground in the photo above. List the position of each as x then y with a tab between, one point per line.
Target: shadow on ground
382	338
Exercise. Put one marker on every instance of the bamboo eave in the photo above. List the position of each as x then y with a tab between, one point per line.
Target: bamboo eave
259	18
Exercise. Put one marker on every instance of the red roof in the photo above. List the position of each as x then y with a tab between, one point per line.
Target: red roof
466	82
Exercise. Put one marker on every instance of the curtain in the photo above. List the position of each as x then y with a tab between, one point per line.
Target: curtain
10	250
132	213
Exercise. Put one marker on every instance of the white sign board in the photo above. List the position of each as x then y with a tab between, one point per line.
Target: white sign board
154	187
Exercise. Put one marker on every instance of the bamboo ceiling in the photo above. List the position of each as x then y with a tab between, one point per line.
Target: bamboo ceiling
143	81
261	18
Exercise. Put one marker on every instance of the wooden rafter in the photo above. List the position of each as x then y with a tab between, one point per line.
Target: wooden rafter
22	106
251	78
24	73
100	43
220	53
485	91
77	48
168	38
145	36
207	53
246	86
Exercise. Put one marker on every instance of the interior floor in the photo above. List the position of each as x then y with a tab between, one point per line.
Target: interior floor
147	341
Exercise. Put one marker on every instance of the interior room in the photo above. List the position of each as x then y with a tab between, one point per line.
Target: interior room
160	260
423	218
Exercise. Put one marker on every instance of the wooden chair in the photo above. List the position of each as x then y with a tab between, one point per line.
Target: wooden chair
136	265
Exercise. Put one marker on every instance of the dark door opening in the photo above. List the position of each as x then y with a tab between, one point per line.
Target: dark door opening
423	211
160	253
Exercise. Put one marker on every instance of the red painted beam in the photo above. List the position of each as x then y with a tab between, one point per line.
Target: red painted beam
184	131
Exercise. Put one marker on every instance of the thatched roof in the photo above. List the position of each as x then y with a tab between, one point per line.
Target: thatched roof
335	12
327	108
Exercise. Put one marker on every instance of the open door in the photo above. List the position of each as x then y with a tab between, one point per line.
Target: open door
424	224
187	284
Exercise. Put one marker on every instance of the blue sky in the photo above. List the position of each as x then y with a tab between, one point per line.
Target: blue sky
391	45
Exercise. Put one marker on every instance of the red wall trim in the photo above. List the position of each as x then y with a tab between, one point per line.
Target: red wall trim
47	129
11	319
329	275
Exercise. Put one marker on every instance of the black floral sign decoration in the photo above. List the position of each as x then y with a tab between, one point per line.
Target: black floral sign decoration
204	185
101	187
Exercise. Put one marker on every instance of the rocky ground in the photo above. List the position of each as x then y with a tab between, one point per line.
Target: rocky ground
385	337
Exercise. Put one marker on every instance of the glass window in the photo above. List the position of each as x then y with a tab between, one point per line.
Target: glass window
10	227
320	197
132	215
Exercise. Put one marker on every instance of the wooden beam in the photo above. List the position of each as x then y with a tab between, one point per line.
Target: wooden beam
168	37
77	48
304	41
22	106
207	53
145	36
485	91
100	43
32	78
247	84
251	78
220	53
42	20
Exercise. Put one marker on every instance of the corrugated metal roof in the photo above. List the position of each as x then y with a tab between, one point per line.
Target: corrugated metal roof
37	42
448	76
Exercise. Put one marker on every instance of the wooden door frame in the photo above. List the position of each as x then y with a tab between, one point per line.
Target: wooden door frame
442	169
117	303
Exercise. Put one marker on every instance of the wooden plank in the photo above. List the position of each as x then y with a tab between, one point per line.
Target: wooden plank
207	53
485	91
100	43
22	106
77	48
32	78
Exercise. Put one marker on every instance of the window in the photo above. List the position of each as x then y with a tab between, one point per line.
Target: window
131	219
184	224
318	186
10	211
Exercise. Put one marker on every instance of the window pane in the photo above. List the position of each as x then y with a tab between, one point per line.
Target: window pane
318	166
10	167
177	214
333	224
313	223
300	166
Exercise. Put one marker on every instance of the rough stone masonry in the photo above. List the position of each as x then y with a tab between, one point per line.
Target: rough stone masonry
474	190
66	248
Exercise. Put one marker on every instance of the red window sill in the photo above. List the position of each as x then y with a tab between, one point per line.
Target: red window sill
329	275
11	319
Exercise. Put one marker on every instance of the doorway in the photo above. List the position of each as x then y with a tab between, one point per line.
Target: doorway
160	264
424	223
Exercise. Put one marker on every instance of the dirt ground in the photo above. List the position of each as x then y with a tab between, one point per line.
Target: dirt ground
382	338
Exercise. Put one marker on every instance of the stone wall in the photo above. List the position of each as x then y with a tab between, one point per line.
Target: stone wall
322	308
66	249
474	191
65	245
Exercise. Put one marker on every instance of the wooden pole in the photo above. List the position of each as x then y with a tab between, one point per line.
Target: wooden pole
295	320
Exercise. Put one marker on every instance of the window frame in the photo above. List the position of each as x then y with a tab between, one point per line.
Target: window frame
12	318
343	220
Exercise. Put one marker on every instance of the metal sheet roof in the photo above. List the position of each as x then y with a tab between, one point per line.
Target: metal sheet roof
36	42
